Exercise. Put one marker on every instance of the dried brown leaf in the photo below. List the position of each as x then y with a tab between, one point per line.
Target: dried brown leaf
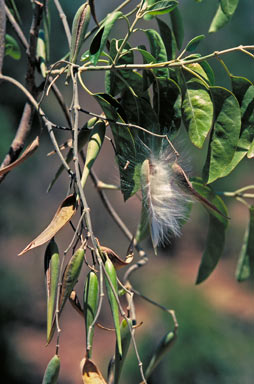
115	259
63	215
90	373
27	153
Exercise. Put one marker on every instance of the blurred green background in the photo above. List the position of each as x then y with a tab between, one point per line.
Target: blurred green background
215	343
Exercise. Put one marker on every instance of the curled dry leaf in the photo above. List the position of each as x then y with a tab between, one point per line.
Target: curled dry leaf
63	215
90	373
115	259
27	153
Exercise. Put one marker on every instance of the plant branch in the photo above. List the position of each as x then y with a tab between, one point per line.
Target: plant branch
2	33
17	28
64	21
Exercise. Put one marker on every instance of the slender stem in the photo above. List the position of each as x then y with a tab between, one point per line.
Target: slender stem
2	33
64	21
16	28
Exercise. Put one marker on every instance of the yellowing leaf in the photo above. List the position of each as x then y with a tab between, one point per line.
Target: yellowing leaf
63	215
27	153
90	373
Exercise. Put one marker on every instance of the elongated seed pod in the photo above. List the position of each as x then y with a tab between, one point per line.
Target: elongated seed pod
52	264
110	269
93	148
52	371
79	28
91	292
125	339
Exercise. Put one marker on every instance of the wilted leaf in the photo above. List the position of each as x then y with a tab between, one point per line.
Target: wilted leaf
115	259
216	231
225	134
25	155
63	215
90	373
245	266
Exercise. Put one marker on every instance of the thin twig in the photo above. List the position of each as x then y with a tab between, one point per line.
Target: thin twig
16	28
2	33
64	21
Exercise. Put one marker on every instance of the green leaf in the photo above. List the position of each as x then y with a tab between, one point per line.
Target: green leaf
229	6
168	39
225	134
250	153
52	371
243	90
158	50
101	36
12	48
164	346
220	19
111	272
197	112
192	45
41	53
91	296
94	145
120	359
116	81
209	72
216	231
51	267
177	26
167	104
245	265
161	7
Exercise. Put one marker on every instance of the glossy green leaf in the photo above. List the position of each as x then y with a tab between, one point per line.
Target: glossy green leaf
51	267
164	346
120	358
197	68
70	276
52	371
168	39
245	265
243	90
111	272
12	48
79	27
161	7
216	231
116	81
94	145
167	104
177	26
91	296
192	45
219	21
158	50
101	36
225	134
197	112
209	72
124	143
229	6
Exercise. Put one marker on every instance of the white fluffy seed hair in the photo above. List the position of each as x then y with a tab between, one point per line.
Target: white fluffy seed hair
165	201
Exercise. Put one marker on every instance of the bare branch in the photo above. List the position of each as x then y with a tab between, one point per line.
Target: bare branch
2	33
